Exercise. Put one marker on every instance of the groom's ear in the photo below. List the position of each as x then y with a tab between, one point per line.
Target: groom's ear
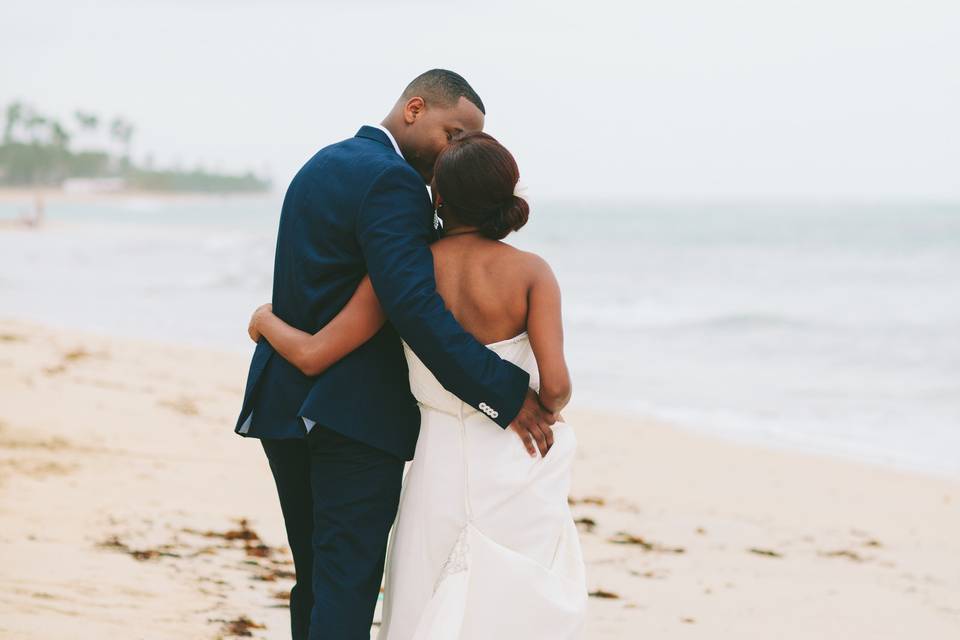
413	109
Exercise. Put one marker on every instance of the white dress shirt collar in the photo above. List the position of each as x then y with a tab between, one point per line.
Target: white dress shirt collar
436	218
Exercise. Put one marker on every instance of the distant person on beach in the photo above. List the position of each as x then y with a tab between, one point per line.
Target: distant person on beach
34	218
359	354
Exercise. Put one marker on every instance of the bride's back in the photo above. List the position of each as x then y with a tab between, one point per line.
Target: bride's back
485	284
495	291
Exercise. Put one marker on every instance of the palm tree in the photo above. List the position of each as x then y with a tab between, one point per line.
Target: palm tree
122	132
87	121
35	122
59	136
14	114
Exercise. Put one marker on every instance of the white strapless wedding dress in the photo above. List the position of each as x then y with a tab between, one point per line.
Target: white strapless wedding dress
484	545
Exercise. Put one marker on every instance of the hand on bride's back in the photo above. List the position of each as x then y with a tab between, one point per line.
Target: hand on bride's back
252	329
533	425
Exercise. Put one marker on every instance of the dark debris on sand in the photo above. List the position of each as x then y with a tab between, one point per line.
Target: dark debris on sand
253	546
842	553
242	533
623	537
114	542
249	542
272	575
241	547
70	357
586	524
239	627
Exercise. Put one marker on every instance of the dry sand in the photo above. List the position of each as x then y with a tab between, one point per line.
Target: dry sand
130	509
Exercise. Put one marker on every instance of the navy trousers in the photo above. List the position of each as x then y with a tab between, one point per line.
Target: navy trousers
339	499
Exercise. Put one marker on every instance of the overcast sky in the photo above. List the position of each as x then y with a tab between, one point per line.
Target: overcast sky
686	99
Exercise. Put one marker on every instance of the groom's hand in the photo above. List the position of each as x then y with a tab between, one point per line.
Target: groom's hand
533	425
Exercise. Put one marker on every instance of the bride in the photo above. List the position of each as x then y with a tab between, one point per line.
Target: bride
484	545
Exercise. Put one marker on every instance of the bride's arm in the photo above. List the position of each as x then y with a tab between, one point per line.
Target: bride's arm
356	323
545	328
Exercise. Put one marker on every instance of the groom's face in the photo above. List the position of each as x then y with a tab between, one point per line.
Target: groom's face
430	129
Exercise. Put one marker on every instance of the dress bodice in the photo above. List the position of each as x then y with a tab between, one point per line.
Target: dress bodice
430	393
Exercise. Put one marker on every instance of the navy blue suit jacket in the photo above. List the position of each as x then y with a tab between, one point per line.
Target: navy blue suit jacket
358	207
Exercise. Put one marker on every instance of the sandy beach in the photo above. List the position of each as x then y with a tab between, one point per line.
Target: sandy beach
130	509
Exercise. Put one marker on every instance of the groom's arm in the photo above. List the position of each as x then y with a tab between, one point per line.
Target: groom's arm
393	229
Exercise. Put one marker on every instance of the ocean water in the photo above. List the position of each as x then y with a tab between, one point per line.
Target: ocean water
823	327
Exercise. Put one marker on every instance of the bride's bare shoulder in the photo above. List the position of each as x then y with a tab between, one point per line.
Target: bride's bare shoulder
528	263
496	257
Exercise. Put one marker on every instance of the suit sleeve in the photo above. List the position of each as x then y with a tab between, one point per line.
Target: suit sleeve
393	229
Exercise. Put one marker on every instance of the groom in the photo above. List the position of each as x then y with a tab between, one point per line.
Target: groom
336	443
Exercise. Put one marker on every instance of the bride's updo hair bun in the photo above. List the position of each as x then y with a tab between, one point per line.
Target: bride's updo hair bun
510	218
475	177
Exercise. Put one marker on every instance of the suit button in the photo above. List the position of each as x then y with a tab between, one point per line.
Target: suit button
495	414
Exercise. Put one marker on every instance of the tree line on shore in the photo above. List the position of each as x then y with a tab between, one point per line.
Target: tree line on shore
37	150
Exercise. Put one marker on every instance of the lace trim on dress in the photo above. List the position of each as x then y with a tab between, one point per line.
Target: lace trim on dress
456	562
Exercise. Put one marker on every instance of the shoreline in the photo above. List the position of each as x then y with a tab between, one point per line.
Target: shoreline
768	443
128	501
799	447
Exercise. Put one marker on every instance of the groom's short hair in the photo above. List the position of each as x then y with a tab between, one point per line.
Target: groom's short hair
442	87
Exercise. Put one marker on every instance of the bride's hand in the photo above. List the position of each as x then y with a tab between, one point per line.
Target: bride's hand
252	329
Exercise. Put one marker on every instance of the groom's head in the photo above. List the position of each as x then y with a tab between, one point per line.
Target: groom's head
435	107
